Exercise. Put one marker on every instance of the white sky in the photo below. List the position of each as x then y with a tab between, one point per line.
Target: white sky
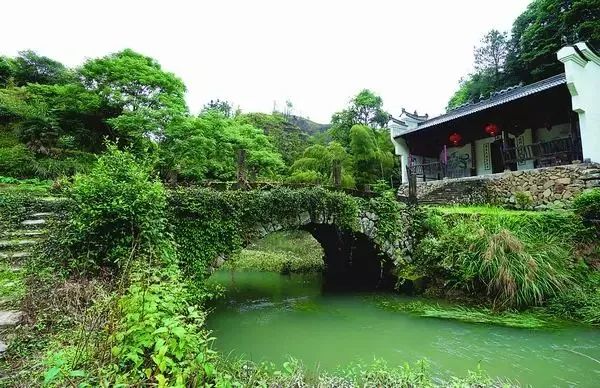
317	53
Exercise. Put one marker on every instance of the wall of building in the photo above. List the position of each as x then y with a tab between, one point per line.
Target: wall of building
483	156
546	187
460	155
582	71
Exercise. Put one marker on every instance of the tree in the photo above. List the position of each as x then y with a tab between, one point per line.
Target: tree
30	67
288	138
7	70
364	154
490	57
205	147
365	108
544	27
224	107
138	98
472	89
317	164
530	53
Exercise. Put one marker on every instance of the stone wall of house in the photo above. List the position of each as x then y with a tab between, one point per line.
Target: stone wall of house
545	187
538	188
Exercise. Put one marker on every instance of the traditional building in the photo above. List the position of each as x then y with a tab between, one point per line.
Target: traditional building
551	122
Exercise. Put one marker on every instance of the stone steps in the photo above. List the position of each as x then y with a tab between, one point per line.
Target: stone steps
41	214
27	233
12	244
35	222
10	318
15	245
451	192
10	255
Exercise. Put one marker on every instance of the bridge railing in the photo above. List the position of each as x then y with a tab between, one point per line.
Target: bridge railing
268	185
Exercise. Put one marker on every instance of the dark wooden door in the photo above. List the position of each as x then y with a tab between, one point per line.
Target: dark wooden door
496	156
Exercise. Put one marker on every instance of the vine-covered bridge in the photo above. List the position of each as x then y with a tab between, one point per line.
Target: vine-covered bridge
362	238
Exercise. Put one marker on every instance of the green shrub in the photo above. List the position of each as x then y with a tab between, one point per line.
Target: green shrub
158	339
581	302
515	259
117	208
17	161
523	200
50	168
587	204
307	176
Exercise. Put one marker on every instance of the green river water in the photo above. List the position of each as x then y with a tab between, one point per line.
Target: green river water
270	317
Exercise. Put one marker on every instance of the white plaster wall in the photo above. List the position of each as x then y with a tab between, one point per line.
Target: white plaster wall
462	152
483	159
583	81
401	149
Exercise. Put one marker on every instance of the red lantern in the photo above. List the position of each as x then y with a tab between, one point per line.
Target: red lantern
492	129
455	138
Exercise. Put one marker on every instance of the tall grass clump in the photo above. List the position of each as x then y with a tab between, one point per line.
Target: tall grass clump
587	204
515	260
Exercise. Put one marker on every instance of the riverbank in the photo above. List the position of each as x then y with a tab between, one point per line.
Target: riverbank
117	295
289	251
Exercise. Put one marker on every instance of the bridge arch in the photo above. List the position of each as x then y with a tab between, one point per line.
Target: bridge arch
210	225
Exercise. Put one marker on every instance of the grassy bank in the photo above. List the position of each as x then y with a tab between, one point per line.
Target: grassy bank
284	252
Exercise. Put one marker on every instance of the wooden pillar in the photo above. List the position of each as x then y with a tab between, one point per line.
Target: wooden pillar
473	159
412	188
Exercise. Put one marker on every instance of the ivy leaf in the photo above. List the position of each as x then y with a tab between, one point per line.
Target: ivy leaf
51	374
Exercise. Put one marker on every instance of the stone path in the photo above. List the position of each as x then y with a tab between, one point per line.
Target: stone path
16	246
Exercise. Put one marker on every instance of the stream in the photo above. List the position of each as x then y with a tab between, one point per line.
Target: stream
270	317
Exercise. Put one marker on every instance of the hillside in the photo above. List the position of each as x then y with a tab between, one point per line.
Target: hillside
308	126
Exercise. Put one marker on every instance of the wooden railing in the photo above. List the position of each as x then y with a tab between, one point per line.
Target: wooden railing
550	153
437	170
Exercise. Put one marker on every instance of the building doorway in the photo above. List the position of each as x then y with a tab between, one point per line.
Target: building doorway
496	156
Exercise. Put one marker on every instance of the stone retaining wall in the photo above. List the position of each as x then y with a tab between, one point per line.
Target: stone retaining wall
538	188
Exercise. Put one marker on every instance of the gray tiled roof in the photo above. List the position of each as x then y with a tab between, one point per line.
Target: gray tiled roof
499	98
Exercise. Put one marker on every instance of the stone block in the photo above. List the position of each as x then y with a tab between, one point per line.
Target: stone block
547	193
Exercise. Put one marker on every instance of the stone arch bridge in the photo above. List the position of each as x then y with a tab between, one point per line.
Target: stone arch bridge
358	250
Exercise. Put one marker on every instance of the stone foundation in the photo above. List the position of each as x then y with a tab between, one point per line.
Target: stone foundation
538	188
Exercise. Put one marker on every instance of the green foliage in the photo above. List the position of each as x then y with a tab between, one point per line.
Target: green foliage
205	147
317	163
30	67
268	261
587	204
12	287
523	200
210	224
468	314
539	32
158	339
284	252
117	208
16	161
530	54
378	373
516	259
288	138
371	157
366	108
223	107
581	302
